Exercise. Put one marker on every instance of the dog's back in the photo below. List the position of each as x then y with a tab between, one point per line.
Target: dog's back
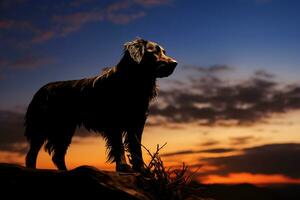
60	101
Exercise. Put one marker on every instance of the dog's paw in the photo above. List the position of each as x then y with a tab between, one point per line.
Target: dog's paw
142	170
124	168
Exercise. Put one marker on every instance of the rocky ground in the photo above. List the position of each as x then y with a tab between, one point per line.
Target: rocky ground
90	183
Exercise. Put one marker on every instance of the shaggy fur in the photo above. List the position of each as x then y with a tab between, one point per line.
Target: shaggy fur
114	104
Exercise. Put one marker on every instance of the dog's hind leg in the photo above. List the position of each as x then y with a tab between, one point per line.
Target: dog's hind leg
31	157
116	152
58	157
59	145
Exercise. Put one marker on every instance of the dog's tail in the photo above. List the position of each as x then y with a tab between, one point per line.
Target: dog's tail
34	116
34	123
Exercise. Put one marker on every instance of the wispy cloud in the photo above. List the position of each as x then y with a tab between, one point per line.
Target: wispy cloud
60	24
186	152
26	62
125	18
30	62
149	3
211	69
210	143
242	140
20	25
42	37
78	3
65	24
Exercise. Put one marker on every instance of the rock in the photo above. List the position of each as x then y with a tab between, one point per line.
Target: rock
85	181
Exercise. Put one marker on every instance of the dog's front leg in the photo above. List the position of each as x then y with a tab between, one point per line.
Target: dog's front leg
134	139
116	150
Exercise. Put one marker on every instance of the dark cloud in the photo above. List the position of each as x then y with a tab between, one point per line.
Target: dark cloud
266	159
211	69
179	153
242	140
12	137
11	132
209	100
210	143
185	152
218	150
264	74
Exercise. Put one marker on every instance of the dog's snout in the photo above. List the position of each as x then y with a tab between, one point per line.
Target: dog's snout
173	63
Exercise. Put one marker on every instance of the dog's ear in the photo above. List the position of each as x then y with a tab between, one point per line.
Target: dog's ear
136	49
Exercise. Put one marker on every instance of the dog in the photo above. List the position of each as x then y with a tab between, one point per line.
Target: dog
113	104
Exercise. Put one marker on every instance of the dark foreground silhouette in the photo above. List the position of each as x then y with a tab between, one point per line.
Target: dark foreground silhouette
114	104
90	183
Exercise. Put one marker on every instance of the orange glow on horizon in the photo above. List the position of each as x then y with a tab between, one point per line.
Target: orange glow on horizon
257	179
91	150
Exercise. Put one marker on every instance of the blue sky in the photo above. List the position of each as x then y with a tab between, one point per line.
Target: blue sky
58	40
224	109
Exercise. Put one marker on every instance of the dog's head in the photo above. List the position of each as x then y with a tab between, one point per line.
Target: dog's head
152	56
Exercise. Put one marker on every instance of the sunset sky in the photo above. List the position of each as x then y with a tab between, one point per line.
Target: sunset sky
231	110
